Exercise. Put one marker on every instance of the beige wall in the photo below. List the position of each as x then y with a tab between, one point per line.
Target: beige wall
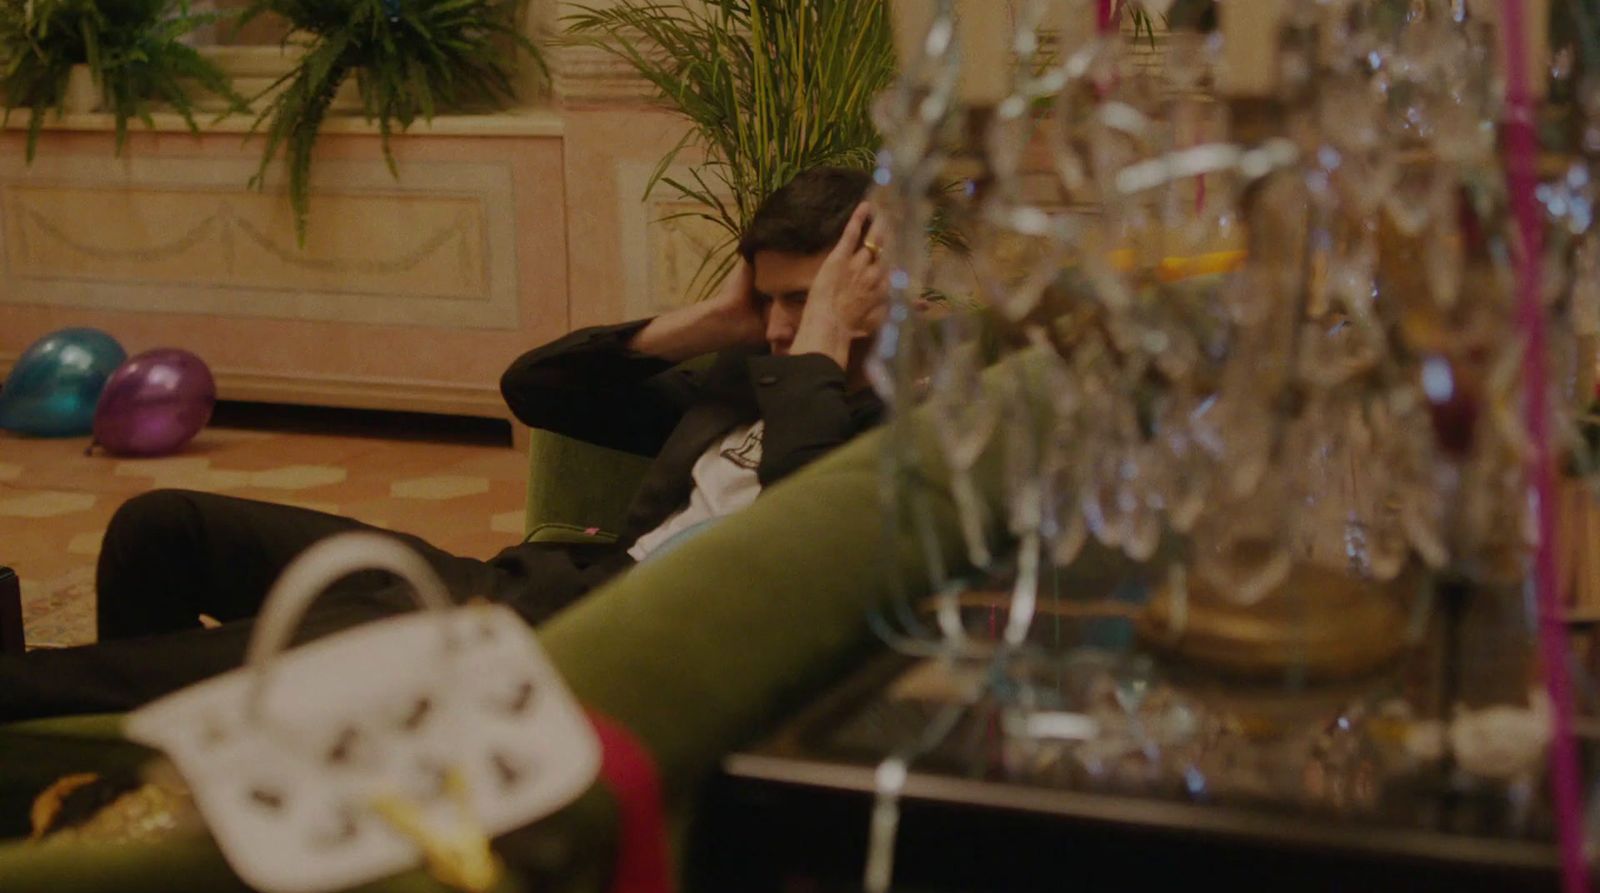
624	261
411	294
502	232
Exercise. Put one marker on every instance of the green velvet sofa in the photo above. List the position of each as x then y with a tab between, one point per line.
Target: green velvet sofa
695	653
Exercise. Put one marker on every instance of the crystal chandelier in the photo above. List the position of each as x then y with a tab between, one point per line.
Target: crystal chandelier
1290	315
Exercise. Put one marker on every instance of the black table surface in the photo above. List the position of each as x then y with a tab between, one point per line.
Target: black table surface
792	813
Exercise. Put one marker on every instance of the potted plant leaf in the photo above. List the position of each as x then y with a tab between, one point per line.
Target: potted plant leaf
132	49
410	58
769	89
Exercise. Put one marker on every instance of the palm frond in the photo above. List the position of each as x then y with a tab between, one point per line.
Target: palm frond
768	89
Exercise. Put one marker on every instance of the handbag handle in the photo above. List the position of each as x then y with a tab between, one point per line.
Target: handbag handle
324	563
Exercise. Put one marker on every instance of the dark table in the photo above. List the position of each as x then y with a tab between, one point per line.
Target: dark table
792	814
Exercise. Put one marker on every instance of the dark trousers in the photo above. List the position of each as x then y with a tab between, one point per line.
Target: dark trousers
171	555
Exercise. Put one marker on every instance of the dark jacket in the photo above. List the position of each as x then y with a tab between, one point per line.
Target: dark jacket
590	386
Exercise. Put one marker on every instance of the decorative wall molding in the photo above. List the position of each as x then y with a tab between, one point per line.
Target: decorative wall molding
658	278
186	235
678	247
587	74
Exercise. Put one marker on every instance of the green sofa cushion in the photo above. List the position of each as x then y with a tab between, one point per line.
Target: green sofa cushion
571	852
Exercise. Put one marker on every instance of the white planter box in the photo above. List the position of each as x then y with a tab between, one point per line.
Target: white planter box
82	95
256	71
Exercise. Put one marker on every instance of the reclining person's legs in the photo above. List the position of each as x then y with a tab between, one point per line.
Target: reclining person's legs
122	674
170	556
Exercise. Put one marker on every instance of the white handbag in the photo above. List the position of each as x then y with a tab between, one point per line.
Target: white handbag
410	739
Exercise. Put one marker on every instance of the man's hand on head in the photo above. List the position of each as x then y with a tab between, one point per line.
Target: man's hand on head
737	311
849	297
730	319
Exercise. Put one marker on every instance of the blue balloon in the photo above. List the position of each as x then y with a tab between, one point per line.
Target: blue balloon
53	388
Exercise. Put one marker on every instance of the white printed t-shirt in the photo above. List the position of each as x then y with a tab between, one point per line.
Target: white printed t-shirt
724	482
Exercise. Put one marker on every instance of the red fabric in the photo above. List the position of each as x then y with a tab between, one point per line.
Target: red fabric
628	770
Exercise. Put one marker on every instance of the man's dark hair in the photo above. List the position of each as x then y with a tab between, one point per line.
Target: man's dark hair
807	214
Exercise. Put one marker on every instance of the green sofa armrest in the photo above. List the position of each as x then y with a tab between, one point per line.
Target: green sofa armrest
556	532
576	489
575	486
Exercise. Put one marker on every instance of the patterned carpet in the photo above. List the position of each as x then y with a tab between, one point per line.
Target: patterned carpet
453	482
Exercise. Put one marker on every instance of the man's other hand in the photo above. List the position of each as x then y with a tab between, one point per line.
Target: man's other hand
850	296
853	284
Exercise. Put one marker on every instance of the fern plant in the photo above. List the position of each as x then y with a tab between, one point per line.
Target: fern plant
133	49
410	59
769	87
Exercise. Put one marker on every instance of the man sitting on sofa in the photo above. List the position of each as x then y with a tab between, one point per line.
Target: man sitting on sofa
790	329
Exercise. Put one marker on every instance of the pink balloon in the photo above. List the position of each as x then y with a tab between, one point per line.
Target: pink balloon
154	403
